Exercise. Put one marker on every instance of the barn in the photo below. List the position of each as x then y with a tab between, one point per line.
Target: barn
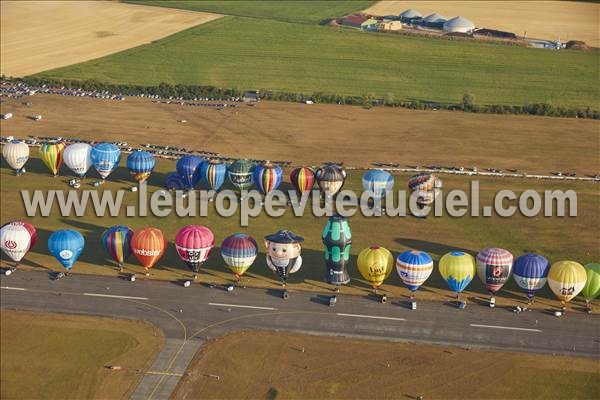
355	20
370	25
389	26
458	25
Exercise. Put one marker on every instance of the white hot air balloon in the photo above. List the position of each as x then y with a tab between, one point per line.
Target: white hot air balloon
77	157
16	238
16	154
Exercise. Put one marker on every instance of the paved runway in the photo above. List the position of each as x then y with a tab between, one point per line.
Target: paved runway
189	316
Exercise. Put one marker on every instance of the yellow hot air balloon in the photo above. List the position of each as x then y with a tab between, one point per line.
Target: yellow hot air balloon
458	270
51	153
566	279
375	264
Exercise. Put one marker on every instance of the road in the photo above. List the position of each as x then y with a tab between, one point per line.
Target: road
190	316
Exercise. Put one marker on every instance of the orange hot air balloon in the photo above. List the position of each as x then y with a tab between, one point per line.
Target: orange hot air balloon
148	245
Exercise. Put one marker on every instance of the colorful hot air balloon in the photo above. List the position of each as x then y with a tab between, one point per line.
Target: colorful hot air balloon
426	185
188	170
378	181
117	243
530	272
267	177
213	172
566	279
194	244
174	182
458	270
303	179
591	290
16	238
78	158
414	268
494	266
148	245
66	246
375	264
140	164
337	240
330	178
239	252
105	158
240	174
283	251
16	154
51	154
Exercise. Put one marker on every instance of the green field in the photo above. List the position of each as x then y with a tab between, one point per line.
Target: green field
556	238
248	53
52	356
310	12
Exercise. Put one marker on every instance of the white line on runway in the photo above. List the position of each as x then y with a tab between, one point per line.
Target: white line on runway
370	316
113	296
505	327
12	288
241	306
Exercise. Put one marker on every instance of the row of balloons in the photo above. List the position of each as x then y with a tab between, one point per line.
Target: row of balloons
194	243
192	169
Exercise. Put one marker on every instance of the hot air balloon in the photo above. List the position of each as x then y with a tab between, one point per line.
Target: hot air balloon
375	264
194	244
240	174
140	164
494	266
530	272
566	279
148	246
337	240
16	238
414	268
239	252
458	270
16	154
303	179
174	182
117	243
66	246
591	290
105	158
330	178
426	186
213	172
267	177
378	181
188	170
78	158
51	153
283	251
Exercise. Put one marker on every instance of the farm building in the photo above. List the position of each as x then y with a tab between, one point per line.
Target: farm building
458	25
495	33
409	16
389	26
434	20
369	25
352	20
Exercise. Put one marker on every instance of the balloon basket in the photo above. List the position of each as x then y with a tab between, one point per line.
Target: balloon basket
187	283
413	305
492	302
285	294
462	305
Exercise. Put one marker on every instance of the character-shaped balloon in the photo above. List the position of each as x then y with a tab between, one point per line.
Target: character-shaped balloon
283	253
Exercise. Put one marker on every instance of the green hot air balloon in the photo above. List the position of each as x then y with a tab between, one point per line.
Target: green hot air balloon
337	240
591	290
240	174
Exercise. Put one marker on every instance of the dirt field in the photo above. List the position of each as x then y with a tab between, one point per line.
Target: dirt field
288	131
42	35
253	365
58	356
552	20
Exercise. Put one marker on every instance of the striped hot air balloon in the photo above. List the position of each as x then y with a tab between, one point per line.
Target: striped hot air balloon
78	158
378	181
458	270
51	154
530	272
66	245
240	174
494	267
148	245
303	179
566	279
213	173
16	239
16	154
330	178
194	244
239	252
267	177
117	243
414	268
140	164
188	169
105	158
375	264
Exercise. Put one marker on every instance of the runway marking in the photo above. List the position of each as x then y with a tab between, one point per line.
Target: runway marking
242	306
370	316
163	373
114	296
12	288
504	327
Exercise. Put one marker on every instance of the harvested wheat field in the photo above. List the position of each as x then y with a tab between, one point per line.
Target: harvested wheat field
552	20
42	35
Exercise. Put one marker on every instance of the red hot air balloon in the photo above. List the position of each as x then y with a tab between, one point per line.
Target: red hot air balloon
303	179
194	244
148	246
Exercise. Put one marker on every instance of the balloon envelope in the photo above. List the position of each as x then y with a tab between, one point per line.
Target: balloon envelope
16	154
378	181
591	290
140	164
239	252
117	243
283	253
78	158
494	266
566	279
267	177
330	178
194	244
187	169
51	154
458	270
148	245
375	264
66	246
213	173
337	240
174	182
105	158
303	179
414	267
530	272
16	238
240	174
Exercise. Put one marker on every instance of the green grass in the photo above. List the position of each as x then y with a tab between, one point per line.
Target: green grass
309	12
252	53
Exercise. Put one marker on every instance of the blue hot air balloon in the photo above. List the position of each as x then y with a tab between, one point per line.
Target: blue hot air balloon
414	268
117	243
378	181
174	182
105	158
213	173
267	177
140	164
530	272
66	245
188	170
